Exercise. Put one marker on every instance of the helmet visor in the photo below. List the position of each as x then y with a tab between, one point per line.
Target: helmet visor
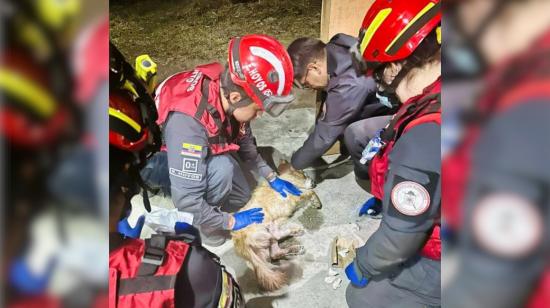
276	105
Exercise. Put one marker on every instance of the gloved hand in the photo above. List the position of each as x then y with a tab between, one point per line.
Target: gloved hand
280	185
125	229
28	282
248	217
372	207
355	276
183	227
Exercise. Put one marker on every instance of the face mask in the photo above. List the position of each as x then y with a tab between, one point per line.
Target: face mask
389	100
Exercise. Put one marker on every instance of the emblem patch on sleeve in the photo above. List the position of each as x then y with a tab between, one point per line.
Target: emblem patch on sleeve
192	155
508	225
410	198
192	150
190	164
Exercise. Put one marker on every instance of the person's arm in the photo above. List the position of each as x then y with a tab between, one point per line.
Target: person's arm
248	152
411	202
343	103
186	143
502	266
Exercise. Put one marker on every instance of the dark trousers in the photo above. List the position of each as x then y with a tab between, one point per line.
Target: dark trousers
357	135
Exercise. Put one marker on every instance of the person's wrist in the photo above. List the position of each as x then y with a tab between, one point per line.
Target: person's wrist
271	177
231	222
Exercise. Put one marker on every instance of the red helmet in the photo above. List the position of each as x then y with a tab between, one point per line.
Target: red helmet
262	67
33	115
126	129
393	29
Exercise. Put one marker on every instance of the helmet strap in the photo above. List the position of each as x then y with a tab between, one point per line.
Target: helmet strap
240	104
390	89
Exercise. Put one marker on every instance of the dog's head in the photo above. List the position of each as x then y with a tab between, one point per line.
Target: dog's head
294	176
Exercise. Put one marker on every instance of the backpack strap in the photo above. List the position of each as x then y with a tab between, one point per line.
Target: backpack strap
155	247
142	284
153	255
203	104
403	117
428	112
220	138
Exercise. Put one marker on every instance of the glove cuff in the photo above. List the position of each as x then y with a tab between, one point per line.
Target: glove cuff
271	177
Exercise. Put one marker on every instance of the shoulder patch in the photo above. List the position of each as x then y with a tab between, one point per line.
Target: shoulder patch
192	150
410	198
507	225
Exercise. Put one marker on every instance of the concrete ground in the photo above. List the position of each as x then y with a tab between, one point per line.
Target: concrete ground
340	198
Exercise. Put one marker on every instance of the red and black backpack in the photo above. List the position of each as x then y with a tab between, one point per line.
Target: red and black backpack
167	272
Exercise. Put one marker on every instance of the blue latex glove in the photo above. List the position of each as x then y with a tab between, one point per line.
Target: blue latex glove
125	229
248	217
183	227
280	185
372	207
25	281
355	276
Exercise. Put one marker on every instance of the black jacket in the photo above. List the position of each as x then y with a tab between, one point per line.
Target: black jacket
344	103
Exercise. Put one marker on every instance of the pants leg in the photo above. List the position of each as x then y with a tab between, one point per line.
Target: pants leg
241	187
357	135
227	188
227	185
155	173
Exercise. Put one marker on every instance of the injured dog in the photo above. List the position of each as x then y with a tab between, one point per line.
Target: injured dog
259	243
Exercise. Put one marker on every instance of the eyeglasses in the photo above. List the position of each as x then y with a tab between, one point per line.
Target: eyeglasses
301	86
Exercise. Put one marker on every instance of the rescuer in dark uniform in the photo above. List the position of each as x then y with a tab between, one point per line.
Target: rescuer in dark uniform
399	266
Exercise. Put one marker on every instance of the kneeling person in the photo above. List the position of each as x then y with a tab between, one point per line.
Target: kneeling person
347	95
205	114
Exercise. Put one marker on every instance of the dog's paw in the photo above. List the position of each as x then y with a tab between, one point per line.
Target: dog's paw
309	183
296	250
297	231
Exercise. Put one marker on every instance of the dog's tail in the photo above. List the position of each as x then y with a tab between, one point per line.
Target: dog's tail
269	278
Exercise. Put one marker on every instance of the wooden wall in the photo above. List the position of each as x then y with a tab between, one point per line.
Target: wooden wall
342	16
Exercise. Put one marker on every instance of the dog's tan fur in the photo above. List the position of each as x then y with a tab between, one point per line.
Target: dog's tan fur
259	243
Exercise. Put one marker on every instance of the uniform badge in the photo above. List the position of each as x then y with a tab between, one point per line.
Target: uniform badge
410	198
191	154
191	150
507	225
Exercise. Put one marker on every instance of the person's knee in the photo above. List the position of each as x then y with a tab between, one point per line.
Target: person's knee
220	174
372	126
352	134
155	173
245	194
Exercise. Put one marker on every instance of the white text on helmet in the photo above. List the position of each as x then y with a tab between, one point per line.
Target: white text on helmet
257	79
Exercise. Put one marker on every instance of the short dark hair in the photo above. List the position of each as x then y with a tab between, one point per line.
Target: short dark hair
303	51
